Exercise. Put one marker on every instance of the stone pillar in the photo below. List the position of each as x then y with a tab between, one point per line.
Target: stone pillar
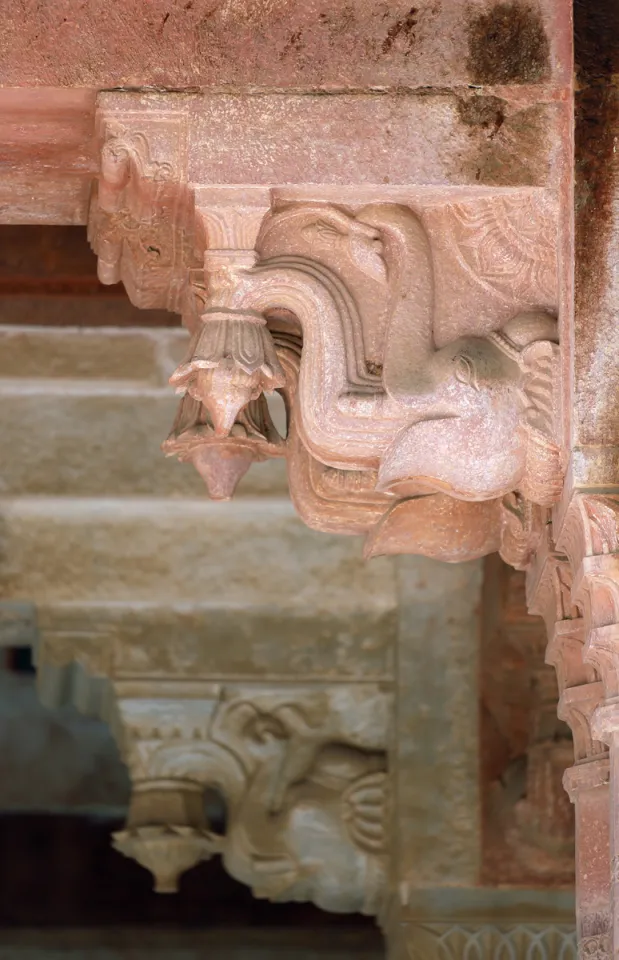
588	787
580	693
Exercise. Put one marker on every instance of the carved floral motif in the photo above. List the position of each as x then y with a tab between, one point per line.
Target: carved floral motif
507	247
223	461
594	948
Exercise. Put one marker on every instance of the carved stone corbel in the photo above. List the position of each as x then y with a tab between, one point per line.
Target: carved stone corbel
350	415
395	427
398	422
141	213
302	775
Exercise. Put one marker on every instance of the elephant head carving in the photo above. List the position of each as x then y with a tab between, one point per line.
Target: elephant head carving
310	823
480	410
325	841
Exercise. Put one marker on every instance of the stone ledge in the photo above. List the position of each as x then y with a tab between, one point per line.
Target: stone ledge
214	642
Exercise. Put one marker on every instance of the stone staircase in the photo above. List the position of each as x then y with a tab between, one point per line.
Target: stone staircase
109	539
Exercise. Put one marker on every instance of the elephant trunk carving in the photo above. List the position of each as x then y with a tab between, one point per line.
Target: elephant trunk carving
474	418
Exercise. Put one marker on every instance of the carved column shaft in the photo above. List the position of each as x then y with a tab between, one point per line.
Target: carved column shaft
587	782
588	788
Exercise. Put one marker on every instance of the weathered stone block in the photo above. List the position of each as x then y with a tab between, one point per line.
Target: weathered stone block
287	43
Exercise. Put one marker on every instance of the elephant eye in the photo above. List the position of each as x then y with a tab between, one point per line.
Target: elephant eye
465	371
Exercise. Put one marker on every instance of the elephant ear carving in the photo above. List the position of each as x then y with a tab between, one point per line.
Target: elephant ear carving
274	875
538	361
364	812
531	340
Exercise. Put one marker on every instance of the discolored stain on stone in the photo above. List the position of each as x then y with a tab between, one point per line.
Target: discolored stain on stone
508	147
403	27
596	32
485	112
508	44
597	122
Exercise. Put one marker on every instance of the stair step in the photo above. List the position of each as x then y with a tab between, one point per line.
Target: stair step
84	413
101	443
143	355
250	552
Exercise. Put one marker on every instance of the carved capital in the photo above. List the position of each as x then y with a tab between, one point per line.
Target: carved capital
577	706
550	594
586	776
590	539
302	771
605	723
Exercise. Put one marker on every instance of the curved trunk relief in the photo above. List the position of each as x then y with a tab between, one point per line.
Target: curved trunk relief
474	419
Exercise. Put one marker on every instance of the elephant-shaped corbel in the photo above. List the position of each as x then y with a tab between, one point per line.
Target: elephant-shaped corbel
312	830
480	412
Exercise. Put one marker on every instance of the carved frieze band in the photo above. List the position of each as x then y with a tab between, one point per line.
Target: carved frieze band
490	942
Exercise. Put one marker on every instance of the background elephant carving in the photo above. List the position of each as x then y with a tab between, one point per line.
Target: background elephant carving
310	823
325	843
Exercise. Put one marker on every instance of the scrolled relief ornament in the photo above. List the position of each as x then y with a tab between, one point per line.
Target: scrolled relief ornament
311	824
594	948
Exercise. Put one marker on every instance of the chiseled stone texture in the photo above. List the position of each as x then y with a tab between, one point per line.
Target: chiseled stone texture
468	139
285	43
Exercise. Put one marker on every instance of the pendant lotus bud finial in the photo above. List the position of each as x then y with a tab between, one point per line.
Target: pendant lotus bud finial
232	361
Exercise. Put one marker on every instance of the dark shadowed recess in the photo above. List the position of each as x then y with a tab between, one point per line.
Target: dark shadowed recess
48	275
61	871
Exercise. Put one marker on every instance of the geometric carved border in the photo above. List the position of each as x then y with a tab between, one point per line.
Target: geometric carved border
444	941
